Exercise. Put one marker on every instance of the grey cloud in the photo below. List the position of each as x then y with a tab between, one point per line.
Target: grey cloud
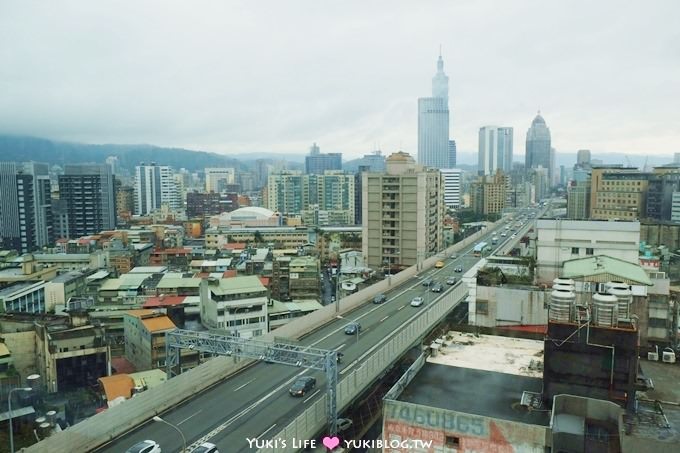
258	76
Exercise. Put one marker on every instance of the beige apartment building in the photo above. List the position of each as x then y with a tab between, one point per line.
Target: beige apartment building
402	214
617	193
489	194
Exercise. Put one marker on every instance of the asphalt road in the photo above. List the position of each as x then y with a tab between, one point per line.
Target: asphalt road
255	403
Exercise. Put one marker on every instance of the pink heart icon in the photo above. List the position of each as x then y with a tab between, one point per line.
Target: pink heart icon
331	442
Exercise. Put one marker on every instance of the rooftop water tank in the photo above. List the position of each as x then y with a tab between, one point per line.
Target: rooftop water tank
561	303
561	287
624	296
51	417
605	309
563	281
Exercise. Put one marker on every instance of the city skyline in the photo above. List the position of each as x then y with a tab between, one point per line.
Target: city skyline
227	87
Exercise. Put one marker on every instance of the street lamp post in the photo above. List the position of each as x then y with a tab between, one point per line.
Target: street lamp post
337	289
156	418
9	404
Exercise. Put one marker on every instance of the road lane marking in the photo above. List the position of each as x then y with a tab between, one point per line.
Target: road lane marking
311	396
267	430
341	346
241	386
195	413
384	318
402	307
230	421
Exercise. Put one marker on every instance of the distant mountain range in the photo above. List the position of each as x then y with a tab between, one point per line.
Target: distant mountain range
21	148
24	148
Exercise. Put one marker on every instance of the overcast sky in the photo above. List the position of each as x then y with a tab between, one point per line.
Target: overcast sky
235	77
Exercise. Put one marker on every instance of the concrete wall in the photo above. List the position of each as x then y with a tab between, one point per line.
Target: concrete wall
407	421
22	345
508	306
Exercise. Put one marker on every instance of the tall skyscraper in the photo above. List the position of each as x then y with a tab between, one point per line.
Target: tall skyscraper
155	185
495	150
25	206
433	122
539	153
402	214
583	158
317	163
88	193
42	201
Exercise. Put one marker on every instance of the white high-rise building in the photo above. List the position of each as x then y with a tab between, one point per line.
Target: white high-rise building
155	185
453	181
216	177
433	122
495	150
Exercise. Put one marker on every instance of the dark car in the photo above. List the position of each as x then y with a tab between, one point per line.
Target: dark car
427	281
459	269
451	281
380	299
437	288
302	385
353	329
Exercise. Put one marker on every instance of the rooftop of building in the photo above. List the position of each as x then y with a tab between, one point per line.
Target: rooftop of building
481	374
16	287
474	391
294	306
117	385
140	313
174	281
163	301
158	324
63	257
491	353
237	285
650	420
303	261
603	268
98	275
67	277
148	270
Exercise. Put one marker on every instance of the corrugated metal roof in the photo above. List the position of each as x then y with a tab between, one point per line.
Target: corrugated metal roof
158	324
602	268
117	385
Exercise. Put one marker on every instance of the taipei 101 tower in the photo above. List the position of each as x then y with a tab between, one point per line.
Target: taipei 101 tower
433	123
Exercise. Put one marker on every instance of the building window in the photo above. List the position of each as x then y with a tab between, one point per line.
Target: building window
589	251
574	250
452	442
482	307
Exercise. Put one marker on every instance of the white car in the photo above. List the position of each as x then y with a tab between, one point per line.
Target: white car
145	446
417	301
206	447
